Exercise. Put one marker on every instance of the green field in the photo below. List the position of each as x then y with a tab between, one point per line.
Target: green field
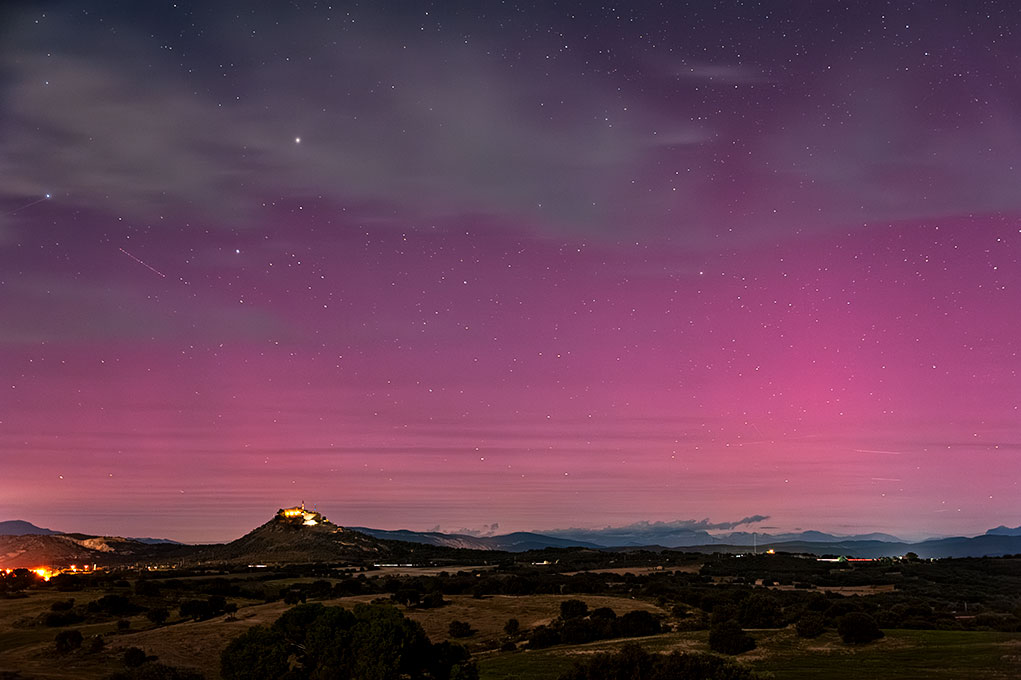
781	655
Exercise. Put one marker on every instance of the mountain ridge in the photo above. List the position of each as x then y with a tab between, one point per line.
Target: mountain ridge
296	535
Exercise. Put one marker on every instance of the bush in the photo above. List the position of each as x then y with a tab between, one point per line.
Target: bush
511	627
637	623
460	629
68	641
369	641
542	637
728	638
573	609
634	663
62	618
96	644
62	605
810	626
465	671
158	615
115	605
257	654
123	624
133	657
858	628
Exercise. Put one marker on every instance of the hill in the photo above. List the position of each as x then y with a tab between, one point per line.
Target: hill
518	541
62	550
293	539
19	527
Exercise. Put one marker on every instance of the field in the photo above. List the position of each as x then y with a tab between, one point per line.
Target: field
197	644
901	655
27	645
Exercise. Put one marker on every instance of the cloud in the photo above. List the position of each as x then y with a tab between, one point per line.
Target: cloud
398	124
411	126
486	530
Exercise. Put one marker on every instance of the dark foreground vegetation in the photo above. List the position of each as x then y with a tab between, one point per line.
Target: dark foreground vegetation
325	626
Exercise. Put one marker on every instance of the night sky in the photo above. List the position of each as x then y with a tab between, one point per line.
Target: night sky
533	266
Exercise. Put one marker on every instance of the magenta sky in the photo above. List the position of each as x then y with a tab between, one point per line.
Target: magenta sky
464	265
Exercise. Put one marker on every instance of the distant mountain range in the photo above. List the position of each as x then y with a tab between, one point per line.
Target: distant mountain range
677	535
999	541
1004	531
519	541
19	527
283	540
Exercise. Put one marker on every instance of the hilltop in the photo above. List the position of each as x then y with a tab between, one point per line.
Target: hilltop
19	527
292	536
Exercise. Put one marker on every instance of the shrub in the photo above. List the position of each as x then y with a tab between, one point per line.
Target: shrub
728	638
460	629
858	628
68	641
133	657
810	626
637	623
542	637
573	609
158	615
367	642
62	605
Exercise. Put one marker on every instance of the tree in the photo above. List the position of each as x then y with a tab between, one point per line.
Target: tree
728	638
68	641
196	610
761	610
573	609
370	642
542	637
637	623
158	615
409	597
257	654
460	629
858	628
133	657
810	626
464	671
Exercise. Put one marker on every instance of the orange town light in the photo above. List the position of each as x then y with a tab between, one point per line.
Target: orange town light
43	572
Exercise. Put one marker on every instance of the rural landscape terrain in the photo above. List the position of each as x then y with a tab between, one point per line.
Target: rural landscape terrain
618	341
253	608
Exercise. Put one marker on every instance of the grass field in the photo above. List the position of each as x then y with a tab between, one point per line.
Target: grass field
781	655
197	644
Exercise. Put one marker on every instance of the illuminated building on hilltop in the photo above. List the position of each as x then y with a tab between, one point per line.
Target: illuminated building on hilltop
309	518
